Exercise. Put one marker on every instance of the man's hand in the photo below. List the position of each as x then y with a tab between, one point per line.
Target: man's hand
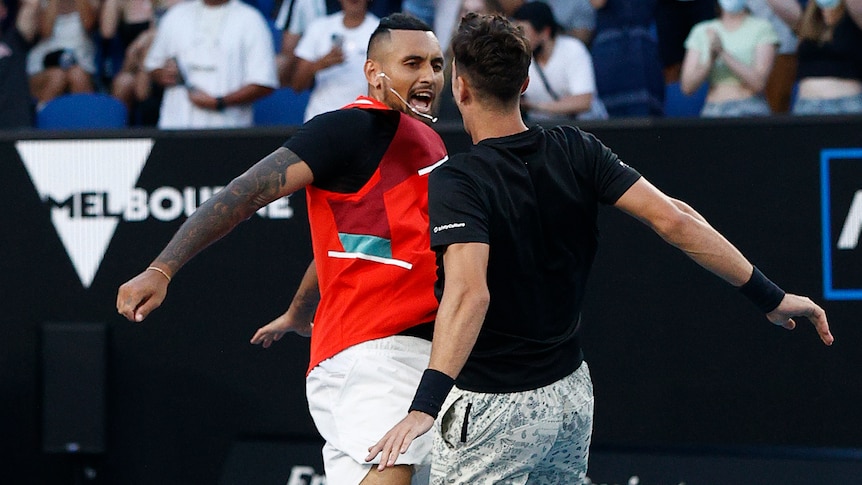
332	58
274	330
168	75
203	100
398	439
800	306
141	295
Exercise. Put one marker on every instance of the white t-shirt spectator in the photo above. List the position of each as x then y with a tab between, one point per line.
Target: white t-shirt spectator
219	50
569	72
337	85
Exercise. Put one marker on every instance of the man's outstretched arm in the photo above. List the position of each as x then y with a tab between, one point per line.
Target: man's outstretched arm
280	173
680	225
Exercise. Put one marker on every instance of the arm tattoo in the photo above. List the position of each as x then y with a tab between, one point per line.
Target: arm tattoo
307	296
305	304
263	183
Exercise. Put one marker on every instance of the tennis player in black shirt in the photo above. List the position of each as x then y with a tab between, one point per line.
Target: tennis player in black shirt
513	223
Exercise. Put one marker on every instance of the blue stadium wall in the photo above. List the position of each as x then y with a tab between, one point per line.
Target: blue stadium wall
682	365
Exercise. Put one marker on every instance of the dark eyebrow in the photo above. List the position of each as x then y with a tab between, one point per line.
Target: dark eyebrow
416	57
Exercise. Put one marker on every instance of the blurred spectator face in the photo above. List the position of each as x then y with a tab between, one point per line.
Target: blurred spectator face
354	6
413	63
529	31
537	20
477	6
535	38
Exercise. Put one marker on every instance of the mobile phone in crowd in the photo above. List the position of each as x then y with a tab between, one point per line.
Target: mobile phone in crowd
337	40
181	78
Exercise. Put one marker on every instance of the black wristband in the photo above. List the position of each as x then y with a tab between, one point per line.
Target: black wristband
432	391
762	292
220	104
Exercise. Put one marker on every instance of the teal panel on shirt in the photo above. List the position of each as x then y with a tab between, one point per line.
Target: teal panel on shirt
370	245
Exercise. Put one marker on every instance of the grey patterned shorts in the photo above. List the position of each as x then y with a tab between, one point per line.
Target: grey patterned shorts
541	436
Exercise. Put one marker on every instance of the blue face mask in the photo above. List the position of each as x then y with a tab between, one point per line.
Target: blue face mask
827	3
732	6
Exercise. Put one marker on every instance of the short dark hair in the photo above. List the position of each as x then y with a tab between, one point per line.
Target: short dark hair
539	15
493	54
396	21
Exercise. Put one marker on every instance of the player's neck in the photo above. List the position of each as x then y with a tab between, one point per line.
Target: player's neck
487	124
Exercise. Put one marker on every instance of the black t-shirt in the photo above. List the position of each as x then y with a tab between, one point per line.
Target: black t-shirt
841	57
16	107
533	198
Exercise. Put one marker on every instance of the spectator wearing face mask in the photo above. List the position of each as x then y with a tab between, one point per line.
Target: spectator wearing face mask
829	54
735	52
562	82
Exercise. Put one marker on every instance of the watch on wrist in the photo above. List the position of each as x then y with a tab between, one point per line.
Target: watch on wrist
220	104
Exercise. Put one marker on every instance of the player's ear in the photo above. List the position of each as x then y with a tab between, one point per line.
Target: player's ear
461	88
372	74
525	85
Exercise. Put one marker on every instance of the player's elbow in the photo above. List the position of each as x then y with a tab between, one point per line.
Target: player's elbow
481	298
674	224
474	299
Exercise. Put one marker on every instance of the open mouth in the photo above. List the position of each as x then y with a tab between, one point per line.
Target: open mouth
422	101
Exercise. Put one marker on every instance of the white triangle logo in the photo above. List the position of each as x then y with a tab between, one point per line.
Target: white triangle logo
87	184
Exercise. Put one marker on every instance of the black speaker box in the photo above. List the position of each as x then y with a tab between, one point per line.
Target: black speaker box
74	375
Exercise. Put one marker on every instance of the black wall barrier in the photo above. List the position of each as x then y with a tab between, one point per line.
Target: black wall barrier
678	357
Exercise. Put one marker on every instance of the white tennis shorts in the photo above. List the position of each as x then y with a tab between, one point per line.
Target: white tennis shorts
358	395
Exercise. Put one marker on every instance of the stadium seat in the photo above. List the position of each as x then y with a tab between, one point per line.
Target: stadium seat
282	107
679	105
82	111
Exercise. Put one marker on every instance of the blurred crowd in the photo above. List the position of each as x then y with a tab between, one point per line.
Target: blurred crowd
208	63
